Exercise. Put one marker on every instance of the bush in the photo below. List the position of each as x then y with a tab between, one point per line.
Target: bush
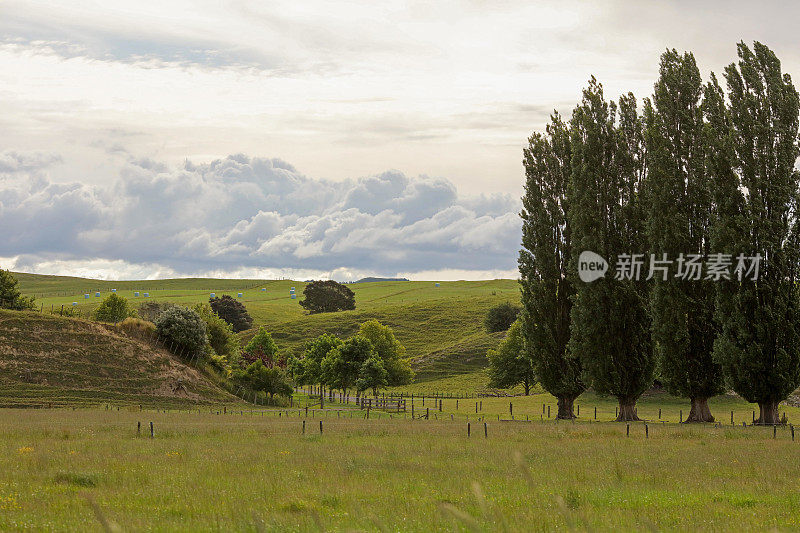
10	297
233	312
113	308
327	296
184	329
500	317
151	310
272	381
220	334
136	327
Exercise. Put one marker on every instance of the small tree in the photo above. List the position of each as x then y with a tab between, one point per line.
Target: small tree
307	370
373	375
183	329
232	311
327	296
113	308
389	351
220	334
10	297
341	367
510	364
272	381
262	347
500	317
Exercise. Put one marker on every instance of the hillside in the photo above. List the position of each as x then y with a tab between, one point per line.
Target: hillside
48	360
441	327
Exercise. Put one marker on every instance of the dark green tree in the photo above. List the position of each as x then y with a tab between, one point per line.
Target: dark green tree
307	370
113	308
373	375
610	324
510	364
679	207
221	338
544	262
232	311
500	317
756	187
183	330
10	297
327	296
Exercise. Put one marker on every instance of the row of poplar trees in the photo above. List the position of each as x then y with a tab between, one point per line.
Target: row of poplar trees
698	170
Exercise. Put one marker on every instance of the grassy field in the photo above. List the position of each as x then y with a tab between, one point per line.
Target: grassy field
441	327
71	470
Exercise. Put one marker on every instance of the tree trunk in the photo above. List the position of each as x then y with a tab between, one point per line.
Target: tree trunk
699	411
768	414
527	388
565	405
627	410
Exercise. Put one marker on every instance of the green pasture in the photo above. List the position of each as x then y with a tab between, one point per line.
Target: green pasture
77	470
441	327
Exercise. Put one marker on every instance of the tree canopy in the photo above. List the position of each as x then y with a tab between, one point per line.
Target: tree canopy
232	311
327	296
10	296
511	364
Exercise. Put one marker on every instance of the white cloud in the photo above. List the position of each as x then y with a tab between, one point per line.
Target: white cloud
243	215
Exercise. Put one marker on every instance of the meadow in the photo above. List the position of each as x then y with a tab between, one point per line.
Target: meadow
256	471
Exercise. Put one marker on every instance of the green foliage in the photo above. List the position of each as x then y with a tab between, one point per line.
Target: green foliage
183	329
544	262
221	338
678	222
10	297
151	310
372	375
261	347
342	365
756	188
137	327
272	381
327	296
232	311
610	327
500	317
113	308
389	351
307	370
511	364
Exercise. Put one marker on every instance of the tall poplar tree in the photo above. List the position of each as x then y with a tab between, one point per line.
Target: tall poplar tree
610	329
756	186
679	208
544	260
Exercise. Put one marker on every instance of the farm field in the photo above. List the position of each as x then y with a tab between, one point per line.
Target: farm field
441	327
74	470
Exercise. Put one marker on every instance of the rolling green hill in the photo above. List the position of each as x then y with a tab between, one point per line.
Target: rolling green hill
441	327
49	360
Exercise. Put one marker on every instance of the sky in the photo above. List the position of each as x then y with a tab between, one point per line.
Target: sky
310	139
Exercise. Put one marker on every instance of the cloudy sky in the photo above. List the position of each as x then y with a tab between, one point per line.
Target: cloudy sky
149	139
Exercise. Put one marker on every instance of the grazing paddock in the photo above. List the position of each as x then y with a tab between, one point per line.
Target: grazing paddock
68	470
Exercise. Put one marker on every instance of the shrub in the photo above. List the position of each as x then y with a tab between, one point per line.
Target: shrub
232	311
220	334
10	297
136	327
500	317
184	329
327	296
113	308
151	310
272	381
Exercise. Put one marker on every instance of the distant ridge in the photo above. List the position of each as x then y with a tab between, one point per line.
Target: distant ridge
370	280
